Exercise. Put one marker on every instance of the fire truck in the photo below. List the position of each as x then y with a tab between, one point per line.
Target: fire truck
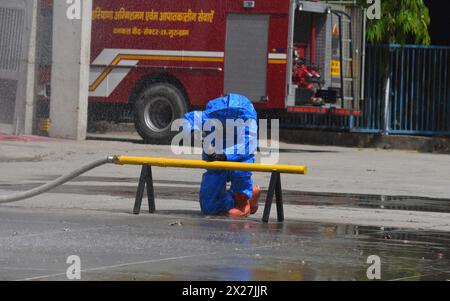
162	58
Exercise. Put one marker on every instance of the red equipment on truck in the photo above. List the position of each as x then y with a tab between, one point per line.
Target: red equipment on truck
162	58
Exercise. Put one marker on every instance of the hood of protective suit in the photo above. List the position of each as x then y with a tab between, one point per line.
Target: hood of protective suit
230	107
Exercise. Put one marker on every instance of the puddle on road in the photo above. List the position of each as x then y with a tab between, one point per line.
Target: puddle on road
297	251
411	203
315	251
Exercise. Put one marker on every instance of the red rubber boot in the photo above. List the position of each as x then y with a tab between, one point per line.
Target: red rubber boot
254	200
242	208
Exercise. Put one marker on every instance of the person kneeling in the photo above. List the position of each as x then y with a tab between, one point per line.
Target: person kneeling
242	198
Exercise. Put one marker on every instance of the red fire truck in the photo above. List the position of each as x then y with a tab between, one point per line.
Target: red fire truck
162	58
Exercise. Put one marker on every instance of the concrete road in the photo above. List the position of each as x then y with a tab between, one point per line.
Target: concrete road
325	236
35	244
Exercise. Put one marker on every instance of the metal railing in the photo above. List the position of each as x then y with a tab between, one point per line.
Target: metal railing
417	101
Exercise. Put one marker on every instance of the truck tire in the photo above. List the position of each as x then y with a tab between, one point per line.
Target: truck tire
157	106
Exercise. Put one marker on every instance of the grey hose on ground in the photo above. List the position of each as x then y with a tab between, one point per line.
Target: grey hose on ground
55	183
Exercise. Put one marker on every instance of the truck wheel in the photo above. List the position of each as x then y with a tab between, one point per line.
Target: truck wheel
155	110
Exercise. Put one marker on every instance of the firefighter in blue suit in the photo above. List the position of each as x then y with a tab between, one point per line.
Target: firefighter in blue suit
242	198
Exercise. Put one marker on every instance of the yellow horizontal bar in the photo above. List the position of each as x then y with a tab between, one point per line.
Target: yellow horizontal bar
182	163
278	62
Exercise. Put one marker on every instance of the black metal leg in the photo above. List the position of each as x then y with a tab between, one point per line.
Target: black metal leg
269	199
150	190
140	191
279	199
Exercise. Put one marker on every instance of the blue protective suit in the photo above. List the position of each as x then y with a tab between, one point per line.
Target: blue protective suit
214	197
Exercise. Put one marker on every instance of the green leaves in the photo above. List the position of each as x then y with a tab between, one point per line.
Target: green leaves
402	22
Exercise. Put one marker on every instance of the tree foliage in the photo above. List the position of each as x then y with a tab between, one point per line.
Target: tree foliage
402	22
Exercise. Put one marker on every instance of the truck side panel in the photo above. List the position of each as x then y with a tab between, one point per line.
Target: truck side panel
183	38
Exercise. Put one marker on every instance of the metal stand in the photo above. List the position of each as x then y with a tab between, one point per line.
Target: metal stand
146	179
274	188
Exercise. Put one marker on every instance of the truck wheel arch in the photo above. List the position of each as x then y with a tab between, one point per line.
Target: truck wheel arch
155	78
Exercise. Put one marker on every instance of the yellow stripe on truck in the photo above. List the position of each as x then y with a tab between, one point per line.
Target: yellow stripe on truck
133	57
278	62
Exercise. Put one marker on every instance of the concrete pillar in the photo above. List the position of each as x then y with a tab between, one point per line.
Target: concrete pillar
30	90
70	69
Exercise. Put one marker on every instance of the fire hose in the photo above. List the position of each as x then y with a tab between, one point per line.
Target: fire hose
55	183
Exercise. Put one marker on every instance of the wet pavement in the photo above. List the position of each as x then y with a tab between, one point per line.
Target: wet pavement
329	232
35	243
188	190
